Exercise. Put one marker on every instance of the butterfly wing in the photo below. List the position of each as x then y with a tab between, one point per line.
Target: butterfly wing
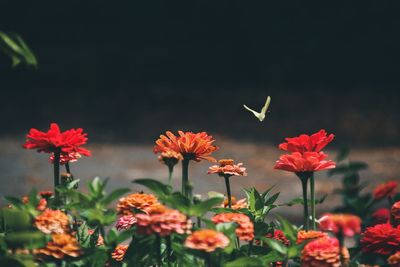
257	114
265	107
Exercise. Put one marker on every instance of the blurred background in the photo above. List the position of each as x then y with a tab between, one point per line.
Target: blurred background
128	71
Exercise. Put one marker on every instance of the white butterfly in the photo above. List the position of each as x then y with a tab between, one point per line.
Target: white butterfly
260	115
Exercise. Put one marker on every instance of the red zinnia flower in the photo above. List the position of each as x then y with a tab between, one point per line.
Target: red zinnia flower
227	167
347	224
395	212
280	236
119	252
207	240
381	215
381	239
307	143
323	252
245	229
385	190
67	142
306	162
192	146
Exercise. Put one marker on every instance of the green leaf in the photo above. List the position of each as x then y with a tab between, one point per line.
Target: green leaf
245	262
272	199
178	201
15	47
275	245
201	208
28	239
288	229
299	201
114	195
272	256
343	154
15	201
17	261
155	186
224	210
15	220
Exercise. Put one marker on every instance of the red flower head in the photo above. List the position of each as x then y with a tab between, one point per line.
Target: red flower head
381	215
323	252
381	239
119	252
280	236
227	167
347	224
162	221
385	190
245	229
67	142
125	222
307	235
395	213
192	146
306	162
207	240
307	143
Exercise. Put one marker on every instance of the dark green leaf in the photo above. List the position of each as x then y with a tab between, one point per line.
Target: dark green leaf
155	186
114	195
245	262
201	208
28	240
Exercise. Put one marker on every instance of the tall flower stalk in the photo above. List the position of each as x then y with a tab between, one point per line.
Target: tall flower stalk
304	183
312	193
185	177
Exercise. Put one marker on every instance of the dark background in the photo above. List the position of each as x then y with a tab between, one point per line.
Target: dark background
127	71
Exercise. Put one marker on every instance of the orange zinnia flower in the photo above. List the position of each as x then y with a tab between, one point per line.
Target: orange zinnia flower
61	245
394	260
395	213
52	222
170	158
346	224
139	201
207	240
227	167
245	229
119	252
162	221
192	146
236	204
307	143
385	190
306	162
307	235
323	252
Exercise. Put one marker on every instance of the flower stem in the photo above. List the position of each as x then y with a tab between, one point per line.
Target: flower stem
340	237
185	177
168	244
228	191
207	259
250	248
158	250
305	202
67	169
56	163
170	171
312	189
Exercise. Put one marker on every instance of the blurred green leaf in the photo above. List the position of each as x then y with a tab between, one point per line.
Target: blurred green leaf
203	207
114	195
27	239
15	47
14	220
155	186
245	262
275	245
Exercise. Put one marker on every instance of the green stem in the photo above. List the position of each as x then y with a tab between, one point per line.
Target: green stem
207	259
237	242
170	171
56	163
169	250
158	250
68	170
305	203
185	177
312	188
250	248
228	191
198	222
340	237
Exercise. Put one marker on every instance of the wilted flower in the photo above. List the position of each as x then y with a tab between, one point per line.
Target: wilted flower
227	167
307	143
381	239
139	201
119	252
385	190
162	221
207	240
394	260
307	235
192	146
323	252
395	213
236	204
245	229
61	245
52	222
125	222
304	162
69	141
346	224
381	215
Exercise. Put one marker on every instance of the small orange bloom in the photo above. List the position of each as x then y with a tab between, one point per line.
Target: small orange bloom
207	240
394	260
119	252
245	229
52	222
307	235
192	146
347	224
61	245
395	213
385	190
139	201
236	204
323	252
227	167
162	221
170	158
304	162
